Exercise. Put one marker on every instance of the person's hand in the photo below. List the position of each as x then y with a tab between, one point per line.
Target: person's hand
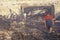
53	23
45	25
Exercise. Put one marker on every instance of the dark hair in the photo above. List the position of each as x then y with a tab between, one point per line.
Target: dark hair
48	13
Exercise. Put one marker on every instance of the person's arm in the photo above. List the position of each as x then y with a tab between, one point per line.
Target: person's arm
45	23
53	20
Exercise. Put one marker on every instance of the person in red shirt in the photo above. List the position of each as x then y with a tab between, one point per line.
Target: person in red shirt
48	21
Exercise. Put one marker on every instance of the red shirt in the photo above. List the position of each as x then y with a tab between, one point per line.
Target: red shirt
48	17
